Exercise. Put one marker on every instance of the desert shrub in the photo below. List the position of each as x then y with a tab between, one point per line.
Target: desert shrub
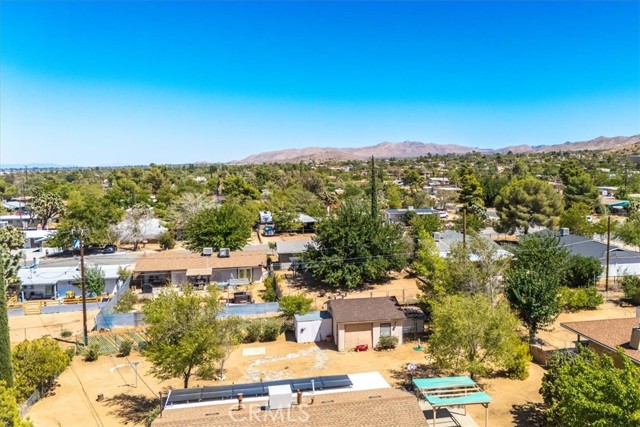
92	353
387	343
124	349
270	293
66	333
152	415
572	299
518	366
631	288
271	329
128	300
253	331
166	240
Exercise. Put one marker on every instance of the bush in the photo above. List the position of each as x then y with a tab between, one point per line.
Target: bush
270	293
253	331
152	415
631	288
92	353
583	271
572	299
66	333
271	329
128	300
125	348
518	366
123	273
166	240
295	304
387	343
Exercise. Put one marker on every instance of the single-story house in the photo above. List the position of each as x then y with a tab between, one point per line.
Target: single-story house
399	215
446	239
180	267
308	222
604	336
358	321
313	326
34	238
17	221
621	261
54	282
291	250
363	399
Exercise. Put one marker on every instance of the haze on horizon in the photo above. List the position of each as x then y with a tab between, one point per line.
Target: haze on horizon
113	83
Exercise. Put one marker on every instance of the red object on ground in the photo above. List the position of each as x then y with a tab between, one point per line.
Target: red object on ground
362	347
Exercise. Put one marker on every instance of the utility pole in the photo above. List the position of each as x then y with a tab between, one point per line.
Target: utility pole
606	278
83	282
374	190
464	227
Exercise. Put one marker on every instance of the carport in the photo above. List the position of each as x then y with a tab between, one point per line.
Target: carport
452	391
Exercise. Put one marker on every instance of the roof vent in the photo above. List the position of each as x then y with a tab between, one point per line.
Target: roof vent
207	251
224	253
564	231
634	342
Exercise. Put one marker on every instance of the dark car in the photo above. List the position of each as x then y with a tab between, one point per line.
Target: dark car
110	249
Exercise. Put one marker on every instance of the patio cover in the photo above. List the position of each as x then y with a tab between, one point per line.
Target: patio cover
199	271
452	391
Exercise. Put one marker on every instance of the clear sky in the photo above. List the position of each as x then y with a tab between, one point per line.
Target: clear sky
99	82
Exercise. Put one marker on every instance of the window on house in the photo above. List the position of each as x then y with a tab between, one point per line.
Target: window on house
385	329
244	273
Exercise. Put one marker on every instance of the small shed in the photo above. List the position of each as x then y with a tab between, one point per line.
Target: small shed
313	326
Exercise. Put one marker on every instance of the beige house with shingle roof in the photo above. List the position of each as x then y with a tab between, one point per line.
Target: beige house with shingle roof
183	266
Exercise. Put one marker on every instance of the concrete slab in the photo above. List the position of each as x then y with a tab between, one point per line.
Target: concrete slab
254	351
447	417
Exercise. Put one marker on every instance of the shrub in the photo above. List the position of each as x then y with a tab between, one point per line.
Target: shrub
583	271
572	299
152	415
92	353
631	288
123	273
128	300
166	240
518	366
271	329
387	343
66	333
125	348
295	304
270	293
253	331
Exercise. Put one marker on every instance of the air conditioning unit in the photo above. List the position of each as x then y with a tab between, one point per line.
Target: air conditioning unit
207	251
224	253
564	231
437	236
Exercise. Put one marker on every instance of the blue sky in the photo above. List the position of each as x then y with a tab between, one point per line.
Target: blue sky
99	82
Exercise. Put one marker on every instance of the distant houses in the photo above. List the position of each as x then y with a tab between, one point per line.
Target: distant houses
400	215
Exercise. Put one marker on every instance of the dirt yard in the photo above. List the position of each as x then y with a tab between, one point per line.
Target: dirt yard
36	326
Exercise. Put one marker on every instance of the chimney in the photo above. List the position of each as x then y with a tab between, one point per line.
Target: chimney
298	397
240	396
634	342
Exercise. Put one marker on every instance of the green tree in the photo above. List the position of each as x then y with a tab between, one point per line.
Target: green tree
432	272
235	186
95	279
9	411
228	226
533	294
472	193
166	240
528	202
424	223
286	220
229	337
10	238
583	271
475	222
353	247
471	335
575	219
183	334
543	252
578	185
629	230
184	208
46	205
413	179
587	389
36	364
294	304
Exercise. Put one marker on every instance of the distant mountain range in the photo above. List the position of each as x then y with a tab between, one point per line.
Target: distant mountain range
409	149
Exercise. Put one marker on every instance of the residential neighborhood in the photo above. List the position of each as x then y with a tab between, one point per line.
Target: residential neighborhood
310	213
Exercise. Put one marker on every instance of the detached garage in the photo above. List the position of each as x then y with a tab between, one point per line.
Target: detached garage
313	326
360	321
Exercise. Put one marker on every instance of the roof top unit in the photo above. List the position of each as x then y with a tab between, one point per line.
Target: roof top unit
224	253
207	251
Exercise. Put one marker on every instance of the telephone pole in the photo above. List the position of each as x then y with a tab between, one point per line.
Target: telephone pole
464	227
83	281
606	278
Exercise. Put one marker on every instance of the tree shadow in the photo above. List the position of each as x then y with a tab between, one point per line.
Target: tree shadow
403	377
529	415
131	408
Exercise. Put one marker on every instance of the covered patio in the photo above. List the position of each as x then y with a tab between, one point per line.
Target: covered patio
452	391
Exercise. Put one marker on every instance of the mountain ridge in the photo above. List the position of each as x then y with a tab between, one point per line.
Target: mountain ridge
409	149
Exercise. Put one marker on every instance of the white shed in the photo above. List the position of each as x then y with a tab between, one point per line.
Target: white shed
313	326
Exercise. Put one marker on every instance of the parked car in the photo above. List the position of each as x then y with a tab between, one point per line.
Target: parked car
110	249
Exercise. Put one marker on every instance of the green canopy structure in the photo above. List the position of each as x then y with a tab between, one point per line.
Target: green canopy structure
452	391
